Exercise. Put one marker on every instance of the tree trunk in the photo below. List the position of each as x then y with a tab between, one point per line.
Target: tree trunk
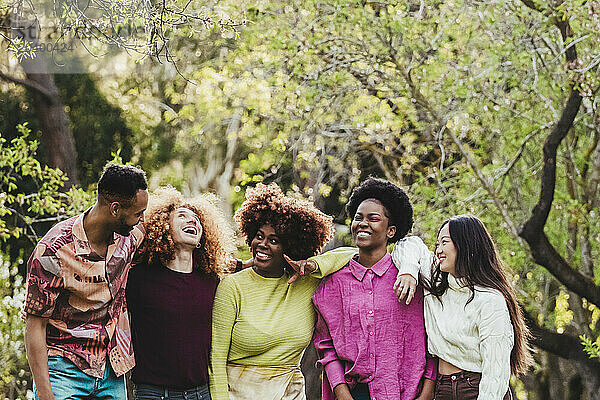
590	380
219	170
57	138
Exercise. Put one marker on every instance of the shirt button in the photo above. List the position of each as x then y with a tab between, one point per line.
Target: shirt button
371	333
370	292
371	355
370	312
453	378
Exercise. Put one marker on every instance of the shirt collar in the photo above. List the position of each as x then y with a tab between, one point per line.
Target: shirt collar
82	246
455	284
379	268
81	243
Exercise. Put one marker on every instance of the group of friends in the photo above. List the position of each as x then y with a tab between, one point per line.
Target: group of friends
154	274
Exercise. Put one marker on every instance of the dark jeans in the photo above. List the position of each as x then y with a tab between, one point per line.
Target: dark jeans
152	392
461	386
360	392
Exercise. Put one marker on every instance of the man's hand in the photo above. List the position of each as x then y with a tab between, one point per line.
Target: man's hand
342	392
428	390
405	287
302	267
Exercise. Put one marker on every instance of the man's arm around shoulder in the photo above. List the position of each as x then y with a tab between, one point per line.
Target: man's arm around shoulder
37	355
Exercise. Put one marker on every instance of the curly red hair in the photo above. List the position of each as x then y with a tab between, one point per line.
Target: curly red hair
302	228
216	244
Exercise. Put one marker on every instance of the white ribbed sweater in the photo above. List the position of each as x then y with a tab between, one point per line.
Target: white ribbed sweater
477	336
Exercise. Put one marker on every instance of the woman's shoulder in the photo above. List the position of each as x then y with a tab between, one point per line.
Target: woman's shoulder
247	280
230	288
338	276
490	300
331	282
489	294
237	277
144	267
233	281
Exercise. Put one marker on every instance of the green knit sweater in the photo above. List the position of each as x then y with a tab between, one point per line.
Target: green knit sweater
262	321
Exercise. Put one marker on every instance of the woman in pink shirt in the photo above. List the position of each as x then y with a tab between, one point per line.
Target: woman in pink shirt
370	345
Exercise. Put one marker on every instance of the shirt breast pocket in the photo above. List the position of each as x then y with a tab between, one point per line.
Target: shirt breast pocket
353	309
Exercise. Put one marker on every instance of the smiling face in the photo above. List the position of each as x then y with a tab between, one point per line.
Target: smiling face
186	228
370	226
268	252
445	250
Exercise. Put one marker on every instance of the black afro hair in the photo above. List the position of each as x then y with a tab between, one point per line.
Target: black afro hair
302	228
394	200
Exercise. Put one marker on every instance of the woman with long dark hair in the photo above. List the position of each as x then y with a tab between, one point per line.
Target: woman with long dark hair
474	323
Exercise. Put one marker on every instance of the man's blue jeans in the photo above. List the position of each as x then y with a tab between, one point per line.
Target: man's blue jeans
69	383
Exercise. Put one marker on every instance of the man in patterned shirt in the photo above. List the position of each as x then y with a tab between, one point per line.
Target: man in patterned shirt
77	334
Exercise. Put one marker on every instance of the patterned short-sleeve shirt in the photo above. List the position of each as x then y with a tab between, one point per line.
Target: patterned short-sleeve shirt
83	296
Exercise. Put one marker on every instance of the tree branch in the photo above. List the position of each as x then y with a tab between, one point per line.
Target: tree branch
486	184
591	195
565	346
28	83
532	231
531	4
517	157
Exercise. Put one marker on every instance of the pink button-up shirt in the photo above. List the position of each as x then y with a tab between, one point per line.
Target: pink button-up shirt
365	335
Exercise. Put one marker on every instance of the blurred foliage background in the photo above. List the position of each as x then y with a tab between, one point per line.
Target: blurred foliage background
461	102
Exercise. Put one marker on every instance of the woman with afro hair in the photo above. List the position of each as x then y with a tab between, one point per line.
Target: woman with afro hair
262	324
170	293
370	345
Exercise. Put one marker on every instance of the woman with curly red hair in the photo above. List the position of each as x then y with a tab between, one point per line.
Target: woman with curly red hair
170	294
262	324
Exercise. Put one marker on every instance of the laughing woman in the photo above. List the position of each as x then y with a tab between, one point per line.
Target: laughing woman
370	345
474	323
170	295
262	324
